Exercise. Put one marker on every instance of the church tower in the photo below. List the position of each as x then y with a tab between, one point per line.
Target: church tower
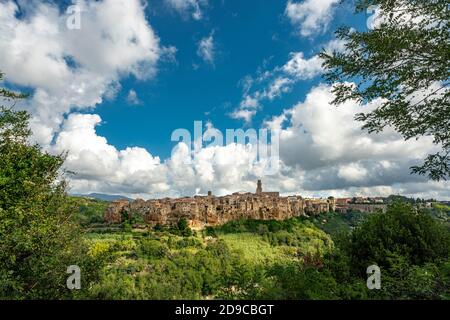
259	188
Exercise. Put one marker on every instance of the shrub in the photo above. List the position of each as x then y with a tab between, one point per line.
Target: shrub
153	248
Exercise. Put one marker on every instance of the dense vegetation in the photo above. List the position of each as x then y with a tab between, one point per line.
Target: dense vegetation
39	235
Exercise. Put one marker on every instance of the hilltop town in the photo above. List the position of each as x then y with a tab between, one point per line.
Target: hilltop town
209	210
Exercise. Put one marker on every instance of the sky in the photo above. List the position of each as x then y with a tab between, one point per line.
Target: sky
113	88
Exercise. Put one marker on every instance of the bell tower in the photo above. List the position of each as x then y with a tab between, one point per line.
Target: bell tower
259	187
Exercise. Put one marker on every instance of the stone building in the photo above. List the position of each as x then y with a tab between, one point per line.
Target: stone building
202	211
361	204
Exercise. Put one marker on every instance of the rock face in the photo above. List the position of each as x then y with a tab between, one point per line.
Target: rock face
361	207
202	211
113	213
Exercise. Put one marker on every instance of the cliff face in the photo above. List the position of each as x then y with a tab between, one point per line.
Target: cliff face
113	213
202	211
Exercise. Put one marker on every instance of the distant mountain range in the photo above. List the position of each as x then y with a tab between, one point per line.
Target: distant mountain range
102	196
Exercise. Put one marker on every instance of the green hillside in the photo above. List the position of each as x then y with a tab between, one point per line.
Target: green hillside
89	211
300	258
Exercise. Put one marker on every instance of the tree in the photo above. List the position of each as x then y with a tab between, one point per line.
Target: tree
183	227
402	232
298	282
404	64
38	239
9	95
411	248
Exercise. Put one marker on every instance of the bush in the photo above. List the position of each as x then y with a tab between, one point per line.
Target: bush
39	237
401	231
153	248
262	229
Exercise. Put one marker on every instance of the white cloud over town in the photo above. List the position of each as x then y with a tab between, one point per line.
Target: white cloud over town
318	158
326	144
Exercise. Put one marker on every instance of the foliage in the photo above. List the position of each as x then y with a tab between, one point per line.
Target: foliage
90	211
183	228
294	281
336	223
38	236
403	66
168	265
8	95
401	231
159	270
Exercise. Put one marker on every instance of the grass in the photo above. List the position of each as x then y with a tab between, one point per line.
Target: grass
441	207
254	249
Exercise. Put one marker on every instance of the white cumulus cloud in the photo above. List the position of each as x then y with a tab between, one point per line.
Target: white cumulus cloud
74	68
132	97
325	146
192	8
310	16
276	82
206	49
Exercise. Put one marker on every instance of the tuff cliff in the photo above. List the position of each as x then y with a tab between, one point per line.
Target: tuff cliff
209	210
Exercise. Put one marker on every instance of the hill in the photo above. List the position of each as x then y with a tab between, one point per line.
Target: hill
103	197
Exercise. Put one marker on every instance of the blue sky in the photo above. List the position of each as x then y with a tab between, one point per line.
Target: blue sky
111	91
248	36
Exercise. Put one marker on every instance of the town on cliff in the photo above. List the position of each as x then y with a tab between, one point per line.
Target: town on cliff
209	210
